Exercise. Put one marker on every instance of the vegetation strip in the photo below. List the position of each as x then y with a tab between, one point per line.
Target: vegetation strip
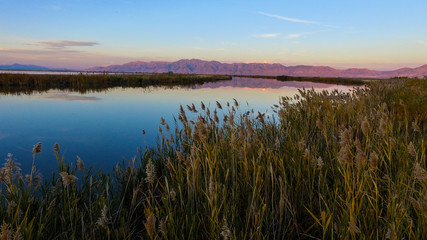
28	83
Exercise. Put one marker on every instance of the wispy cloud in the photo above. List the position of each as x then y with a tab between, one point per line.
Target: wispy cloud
288	18
66	43
267	35
298	35
36	51
422	42
293	35
296	20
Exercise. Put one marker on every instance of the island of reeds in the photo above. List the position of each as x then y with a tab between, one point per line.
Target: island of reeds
13	83
328	165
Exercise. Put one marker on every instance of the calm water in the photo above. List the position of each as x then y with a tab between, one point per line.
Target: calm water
106	128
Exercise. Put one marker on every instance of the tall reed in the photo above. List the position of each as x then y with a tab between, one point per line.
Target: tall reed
327	165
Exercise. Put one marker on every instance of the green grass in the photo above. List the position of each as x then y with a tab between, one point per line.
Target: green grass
29	83
329	165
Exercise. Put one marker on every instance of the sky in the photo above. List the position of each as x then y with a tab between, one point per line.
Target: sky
78	34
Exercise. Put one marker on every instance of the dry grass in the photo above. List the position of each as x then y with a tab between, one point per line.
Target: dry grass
328	165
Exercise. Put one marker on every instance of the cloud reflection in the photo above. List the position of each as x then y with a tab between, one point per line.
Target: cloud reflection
67	97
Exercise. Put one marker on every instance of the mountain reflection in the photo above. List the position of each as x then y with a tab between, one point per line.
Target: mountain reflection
245	82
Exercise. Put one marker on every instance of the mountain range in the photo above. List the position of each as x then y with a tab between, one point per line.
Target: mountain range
197	66
214	67
22	67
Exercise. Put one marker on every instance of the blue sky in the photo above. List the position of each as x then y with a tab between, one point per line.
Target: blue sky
83	33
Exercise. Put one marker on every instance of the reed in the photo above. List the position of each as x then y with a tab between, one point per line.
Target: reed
328	165
86	82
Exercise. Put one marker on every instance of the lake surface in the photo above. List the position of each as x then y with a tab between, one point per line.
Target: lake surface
104	128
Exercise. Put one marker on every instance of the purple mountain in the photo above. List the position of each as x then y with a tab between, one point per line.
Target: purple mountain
214	67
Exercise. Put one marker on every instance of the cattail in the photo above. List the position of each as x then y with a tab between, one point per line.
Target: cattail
353	228
37	148
7	233
415	127
2	176
160	129
358	144
225	118
345	137
306	153
56	148
203	106
51	205
34	180
12	205
162	121
201	128
67	179
143	132
10	169
172	194
250	128
345	155
260	117
365	127
360	157
216	119
419	173
80	164
150	225
382	129
180	155
235	102
163	228
183	116
411	150
233	140
418	205
149	171
218	105
103	219
391	234
226	233
320	163
373	160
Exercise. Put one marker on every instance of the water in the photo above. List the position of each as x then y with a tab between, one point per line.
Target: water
104	128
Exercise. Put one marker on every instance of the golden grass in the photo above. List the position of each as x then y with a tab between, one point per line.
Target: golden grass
328	165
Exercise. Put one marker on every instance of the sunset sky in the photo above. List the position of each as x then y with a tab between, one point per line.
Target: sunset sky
83	33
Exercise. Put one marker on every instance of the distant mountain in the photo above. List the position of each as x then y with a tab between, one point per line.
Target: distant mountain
215	67
17	66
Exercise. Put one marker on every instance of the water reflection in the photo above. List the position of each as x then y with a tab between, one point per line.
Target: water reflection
61	96
105	127
241	82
